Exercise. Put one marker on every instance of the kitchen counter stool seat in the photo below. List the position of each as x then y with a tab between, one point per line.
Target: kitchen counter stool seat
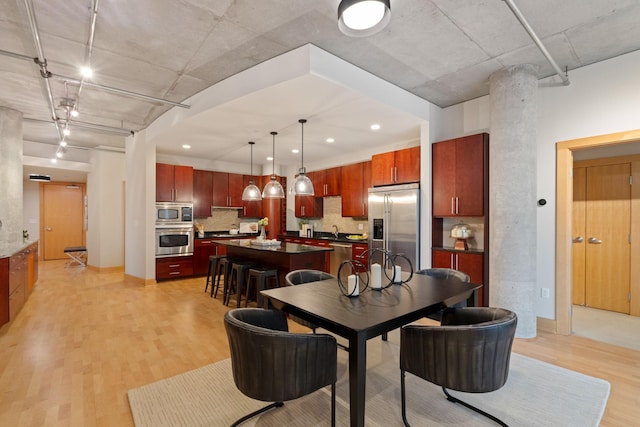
238	277
260	276
224	273
212	272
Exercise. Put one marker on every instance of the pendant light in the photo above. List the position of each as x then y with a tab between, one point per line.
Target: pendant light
303	185
273	189
251	192
361	18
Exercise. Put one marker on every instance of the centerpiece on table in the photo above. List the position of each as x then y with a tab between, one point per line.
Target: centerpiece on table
263	224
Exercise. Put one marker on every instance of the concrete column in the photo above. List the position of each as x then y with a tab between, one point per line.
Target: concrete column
10	176
512	183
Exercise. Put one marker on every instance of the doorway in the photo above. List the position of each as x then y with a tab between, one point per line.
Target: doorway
564	200
601	234
61	218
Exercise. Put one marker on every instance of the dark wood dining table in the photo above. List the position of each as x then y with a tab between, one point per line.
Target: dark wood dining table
366	316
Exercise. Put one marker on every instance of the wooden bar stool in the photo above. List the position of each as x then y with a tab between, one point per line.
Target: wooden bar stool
260	276
238	277
212	272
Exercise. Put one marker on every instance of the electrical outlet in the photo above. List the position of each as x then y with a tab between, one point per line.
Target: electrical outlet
360	226
544	293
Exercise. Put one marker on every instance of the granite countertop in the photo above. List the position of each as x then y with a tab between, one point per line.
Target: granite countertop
285	248
224	234
9	248
324	236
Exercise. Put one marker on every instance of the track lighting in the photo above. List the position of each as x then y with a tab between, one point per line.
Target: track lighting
361	18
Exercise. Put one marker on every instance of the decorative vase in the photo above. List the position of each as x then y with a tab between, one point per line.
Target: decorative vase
262	235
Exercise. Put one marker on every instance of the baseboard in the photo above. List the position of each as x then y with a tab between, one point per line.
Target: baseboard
546	325
140	280
117	269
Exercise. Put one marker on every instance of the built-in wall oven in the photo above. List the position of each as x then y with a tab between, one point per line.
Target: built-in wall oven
174	241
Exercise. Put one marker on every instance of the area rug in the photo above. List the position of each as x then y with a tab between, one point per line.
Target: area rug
536	394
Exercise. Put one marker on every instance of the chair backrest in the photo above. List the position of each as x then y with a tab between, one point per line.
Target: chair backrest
444	273
298	277
273	365
469	352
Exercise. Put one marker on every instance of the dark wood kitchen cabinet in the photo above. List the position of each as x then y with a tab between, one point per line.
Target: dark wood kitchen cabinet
202	193
174	267
471	263
174	183
460	176
326	182
202	250
227	190
251	209
396	167
309	206
356	180
18	275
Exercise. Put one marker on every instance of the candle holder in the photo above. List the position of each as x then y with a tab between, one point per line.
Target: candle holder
394	260
386	265
351	269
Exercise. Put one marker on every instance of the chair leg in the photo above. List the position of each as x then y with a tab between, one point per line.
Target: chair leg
473	408
403	399
258	412
333	405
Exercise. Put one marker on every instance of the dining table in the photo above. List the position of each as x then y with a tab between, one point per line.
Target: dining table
370	314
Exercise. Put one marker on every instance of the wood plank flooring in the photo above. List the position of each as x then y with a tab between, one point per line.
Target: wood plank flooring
84	338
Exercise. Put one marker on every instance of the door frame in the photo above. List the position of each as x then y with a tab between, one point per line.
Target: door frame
564	200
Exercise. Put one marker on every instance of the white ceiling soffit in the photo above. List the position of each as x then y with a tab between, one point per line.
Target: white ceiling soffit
338	99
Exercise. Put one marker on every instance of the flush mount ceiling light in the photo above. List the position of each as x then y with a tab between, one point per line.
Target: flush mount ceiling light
303	185
273	189
251	191
362	18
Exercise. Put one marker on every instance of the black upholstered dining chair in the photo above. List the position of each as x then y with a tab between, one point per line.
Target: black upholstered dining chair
469	352
272	365
298	277
445	273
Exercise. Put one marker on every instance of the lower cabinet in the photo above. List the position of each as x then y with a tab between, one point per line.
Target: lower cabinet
174	267
18	275
359	253
471	263
202	250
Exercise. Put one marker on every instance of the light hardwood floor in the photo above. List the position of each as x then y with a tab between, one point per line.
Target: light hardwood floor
84	338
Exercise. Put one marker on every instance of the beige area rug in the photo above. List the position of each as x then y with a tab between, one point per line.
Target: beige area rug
536	394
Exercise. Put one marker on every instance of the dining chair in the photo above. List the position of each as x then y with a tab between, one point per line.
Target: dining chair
469	352
272	365
445	273
298	277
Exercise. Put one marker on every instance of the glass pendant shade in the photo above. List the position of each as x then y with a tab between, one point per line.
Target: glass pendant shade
251	192
303	185
361	18
273	189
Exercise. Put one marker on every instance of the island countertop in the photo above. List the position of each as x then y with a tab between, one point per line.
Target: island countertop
285	248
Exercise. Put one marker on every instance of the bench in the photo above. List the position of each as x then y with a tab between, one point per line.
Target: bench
78	255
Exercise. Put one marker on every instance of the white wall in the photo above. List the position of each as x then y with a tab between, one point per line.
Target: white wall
31	209
602	98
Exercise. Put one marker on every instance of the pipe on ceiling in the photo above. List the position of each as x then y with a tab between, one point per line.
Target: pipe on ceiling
93	126
89	49
537	41
42	62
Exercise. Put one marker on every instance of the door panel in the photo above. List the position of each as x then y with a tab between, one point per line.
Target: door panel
608	221
62	219
579	210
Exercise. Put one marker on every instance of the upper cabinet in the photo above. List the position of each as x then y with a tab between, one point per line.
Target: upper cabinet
174	183
326	182
202	193
309	206
227	190
396	167
459	168
355	181
251	209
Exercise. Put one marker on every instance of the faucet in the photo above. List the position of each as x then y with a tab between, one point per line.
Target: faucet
335	233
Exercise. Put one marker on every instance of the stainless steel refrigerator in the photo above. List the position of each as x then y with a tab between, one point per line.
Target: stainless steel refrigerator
394	222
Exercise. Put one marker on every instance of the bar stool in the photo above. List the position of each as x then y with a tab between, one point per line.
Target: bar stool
260	277
238	277
224	271
212	271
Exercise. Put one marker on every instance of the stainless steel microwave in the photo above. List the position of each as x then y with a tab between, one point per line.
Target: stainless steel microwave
168	213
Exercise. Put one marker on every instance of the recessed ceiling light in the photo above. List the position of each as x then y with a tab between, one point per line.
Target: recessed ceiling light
375	126
86	71
269	158
330	140
186	146
295	151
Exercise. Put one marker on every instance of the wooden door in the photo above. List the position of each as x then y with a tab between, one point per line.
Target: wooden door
608	228
470	174
443	157
578	246
62	218
407	165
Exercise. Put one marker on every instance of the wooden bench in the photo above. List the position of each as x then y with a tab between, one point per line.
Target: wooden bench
78	255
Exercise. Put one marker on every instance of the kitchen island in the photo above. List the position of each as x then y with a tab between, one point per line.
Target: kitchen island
285	257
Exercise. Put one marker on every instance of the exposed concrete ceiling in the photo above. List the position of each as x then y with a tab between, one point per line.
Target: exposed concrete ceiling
440	50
